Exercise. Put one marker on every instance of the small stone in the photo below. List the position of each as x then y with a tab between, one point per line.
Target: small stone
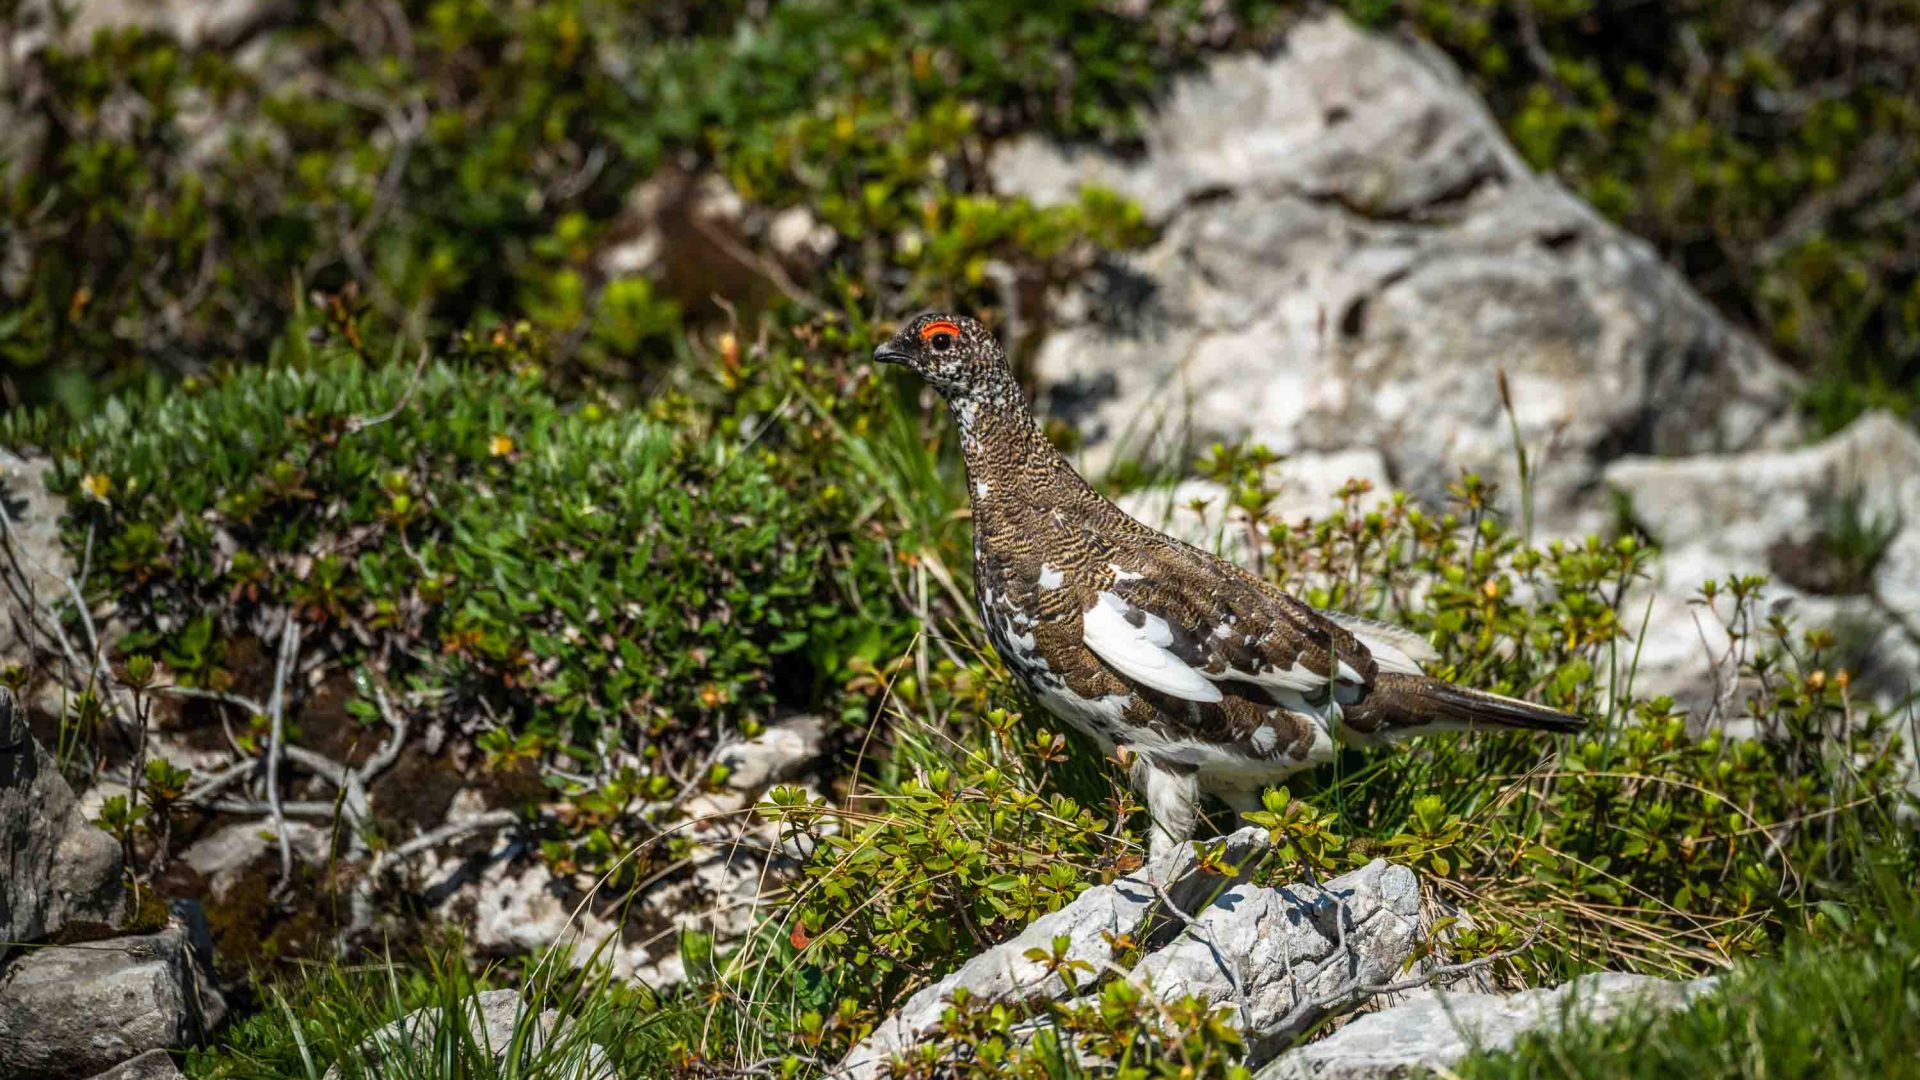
224	856
796	235
779	753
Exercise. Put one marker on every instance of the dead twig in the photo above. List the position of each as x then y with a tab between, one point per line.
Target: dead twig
276	714
389	751
492	819
206	790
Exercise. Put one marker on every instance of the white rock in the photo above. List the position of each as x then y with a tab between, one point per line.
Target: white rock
778	753
224	855
1092	922
1349	253
795	234
193	23
1746	505
1265	953
510	905
1436	1032
1772	513
512	908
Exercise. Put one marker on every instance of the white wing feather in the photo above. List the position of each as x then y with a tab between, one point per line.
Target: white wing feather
1394	648
1140	652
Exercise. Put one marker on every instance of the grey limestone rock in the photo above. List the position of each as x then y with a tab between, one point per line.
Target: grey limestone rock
1350	252
1091	923
152	1065
75	1010
56	868
1437	1031
1282	959
1279	959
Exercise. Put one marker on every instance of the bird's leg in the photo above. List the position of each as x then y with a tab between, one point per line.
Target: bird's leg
1173	803
1243	801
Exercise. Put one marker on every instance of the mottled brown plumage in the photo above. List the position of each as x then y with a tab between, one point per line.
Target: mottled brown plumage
1215	680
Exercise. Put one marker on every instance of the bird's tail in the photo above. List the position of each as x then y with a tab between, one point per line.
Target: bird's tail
1399	704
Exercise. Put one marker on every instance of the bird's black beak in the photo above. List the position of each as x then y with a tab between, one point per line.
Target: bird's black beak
891	352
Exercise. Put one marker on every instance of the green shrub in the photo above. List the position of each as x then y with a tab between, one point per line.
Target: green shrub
1117	1025
449	163
603	585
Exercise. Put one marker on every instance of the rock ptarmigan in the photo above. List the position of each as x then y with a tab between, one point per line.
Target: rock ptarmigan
1215	680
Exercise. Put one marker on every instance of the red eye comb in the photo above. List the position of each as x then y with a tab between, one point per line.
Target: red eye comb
940	327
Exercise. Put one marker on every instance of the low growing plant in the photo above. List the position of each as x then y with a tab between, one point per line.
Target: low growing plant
583	587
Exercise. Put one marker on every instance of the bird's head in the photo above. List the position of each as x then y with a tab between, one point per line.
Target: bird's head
955	354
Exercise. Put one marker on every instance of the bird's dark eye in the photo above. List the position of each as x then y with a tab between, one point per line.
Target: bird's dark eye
941	341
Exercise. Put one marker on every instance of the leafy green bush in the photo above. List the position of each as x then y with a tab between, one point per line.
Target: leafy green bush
605	586
1187	1039
947	864
449	163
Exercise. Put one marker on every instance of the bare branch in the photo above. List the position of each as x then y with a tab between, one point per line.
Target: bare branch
276	712
389	752
492	819
207	789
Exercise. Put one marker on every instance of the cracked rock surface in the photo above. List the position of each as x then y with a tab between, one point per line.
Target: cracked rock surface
56	868
1788	515
1092	922
1279	958
1282	959
1350	250
76	1010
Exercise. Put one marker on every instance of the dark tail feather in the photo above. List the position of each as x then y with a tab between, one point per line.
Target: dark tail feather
1413	701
